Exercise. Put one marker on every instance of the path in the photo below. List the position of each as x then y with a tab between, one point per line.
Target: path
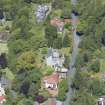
72	69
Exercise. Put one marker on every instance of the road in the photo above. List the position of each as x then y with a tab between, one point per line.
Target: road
72	70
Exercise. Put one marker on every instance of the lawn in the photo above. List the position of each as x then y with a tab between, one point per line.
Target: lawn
9	74
3	48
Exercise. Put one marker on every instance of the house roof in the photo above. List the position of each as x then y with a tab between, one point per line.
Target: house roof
2	98
52	79
57	22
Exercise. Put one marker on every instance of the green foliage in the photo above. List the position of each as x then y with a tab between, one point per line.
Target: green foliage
67	40
41	1
25	102
63	88
97	87
50	34
90	59
95	66
46	70
27	45
26	61
83	98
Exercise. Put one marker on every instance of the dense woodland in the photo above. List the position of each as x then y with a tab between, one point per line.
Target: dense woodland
88	84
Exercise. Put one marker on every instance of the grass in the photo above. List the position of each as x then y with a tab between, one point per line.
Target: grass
9	74
3	48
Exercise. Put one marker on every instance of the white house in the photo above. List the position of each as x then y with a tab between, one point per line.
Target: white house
41	12
54	59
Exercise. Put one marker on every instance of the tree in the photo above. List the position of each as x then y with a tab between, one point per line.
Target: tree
95	66
25	88
3	60
58	4
83	98
63	88
67	40
50	34
103	40
25	101
57	43
26	61
1	14
97	87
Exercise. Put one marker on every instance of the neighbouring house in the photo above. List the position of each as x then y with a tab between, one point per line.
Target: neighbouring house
54	59
59	23
50	83
101	100
3	36
62	72
41	12
2	95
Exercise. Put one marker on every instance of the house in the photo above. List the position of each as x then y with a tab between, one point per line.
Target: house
41	12
51	81
58	23
62	72
2	95
101	100
54	59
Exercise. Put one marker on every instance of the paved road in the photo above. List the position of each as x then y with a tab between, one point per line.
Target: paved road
72	69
